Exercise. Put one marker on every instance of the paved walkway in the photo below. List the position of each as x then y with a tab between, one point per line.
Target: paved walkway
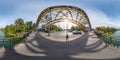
61	36
37	47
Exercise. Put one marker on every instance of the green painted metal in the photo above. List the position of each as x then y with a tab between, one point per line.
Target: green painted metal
112	42
11	42
109	41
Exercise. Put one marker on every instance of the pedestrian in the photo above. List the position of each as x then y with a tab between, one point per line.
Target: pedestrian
48	33
67	38
80	33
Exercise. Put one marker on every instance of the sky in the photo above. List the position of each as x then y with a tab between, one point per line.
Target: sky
100	12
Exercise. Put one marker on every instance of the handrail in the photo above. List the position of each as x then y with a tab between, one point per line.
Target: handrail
3	38
11	42
115	38
110	41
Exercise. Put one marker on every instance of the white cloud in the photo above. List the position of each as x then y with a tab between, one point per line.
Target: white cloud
3	24
30	11
99	18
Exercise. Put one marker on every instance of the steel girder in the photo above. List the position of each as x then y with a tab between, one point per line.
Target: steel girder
56	14
62	20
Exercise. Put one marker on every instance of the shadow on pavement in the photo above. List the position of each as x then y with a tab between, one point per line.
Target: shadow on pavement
55	50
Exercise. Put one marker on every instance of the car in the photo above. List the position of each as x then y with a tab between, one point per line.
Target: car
52	31
46	31
76	32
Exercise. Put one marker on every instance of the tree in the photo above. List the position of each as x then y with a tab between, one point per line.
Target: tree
2	29
19	22
20	25
28	26
54	27
18	28
10	30
106	31
80	27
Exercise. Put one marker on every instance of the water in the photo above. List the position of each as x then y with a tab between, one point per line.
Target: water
4	42
1	35
117	34
1	41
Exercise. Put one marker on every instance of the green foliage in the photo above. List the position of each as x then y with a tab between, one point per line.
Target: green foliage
54	27
2	29
10	30
80	27
18	28
29	26
20	25
106	31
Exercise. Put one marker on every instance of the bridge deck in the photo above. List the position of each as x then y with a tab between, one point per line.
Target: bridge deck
36	47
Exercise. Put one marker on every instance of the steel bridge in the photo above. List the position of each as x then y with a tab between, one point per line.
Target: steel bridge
61	13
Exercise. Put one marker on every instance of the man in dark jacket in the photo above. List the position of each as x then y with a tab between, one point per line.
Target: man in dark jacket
67	38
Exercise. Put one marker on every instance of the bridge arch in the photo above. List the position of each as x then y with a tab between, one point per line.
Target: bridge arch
60	13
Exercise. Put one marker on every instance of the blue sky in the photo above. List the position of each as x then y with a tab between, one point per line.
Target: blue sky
100	12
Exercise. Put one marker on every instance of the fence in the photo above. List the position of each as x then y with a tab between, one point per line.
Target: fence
113	42
110	41
11	42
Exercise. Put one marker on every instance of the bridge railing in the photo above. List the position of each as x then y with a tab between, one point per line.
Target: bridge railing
110	41
11	42
113	42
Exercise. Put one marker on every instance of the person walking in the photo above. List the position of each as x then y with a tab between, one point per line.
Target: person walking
67	38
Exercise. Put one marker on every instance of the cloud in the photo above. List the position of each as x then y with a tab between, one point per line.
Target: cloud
99	18
2	24
6	21
30	11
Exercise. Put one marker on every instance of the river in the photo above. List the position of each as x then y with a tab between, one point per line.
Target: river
116	34
1	35
4	42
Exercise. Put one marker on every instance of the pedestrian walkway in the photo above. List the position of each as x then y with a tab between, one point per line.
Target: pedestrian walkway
37	47
61	36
